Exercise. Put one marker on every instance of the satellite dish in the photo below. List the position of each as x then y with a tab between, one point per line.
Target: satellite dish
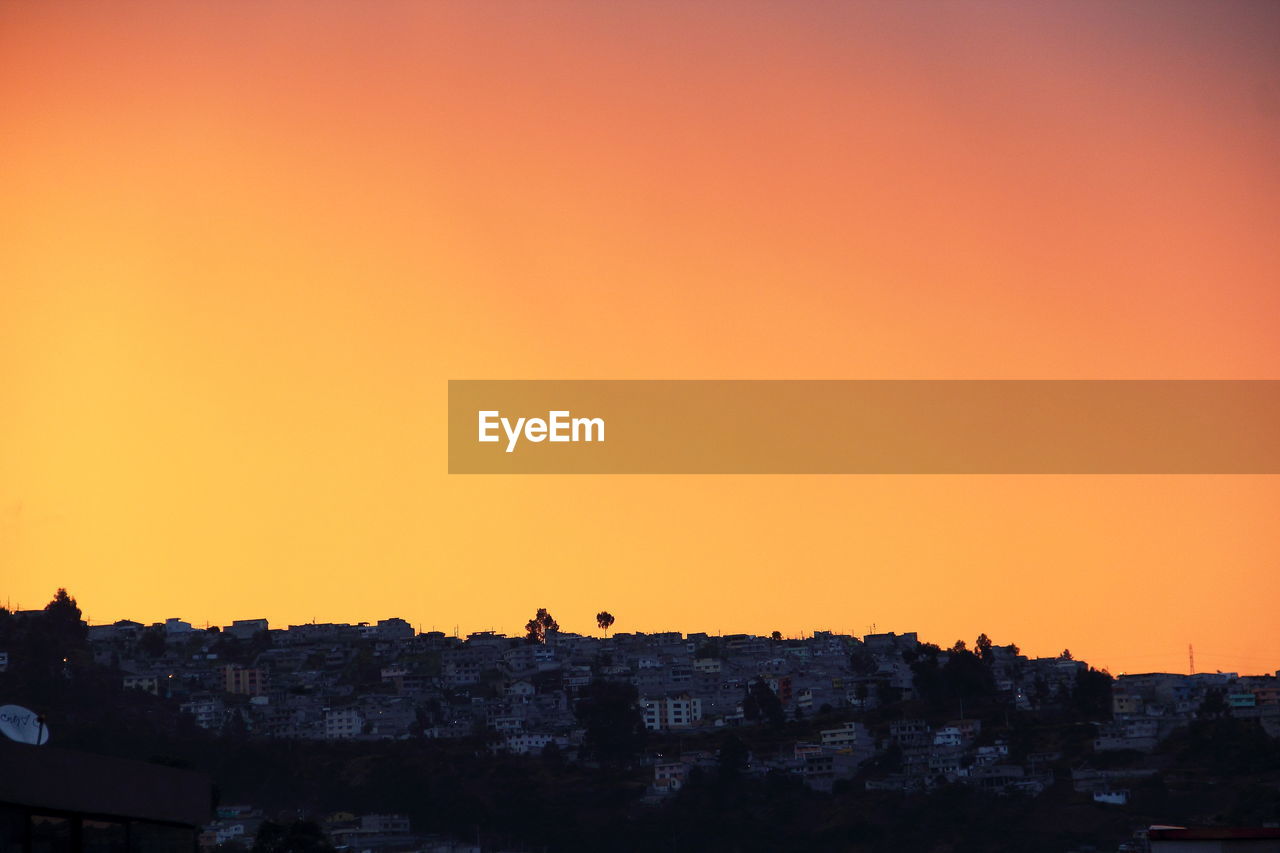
24	726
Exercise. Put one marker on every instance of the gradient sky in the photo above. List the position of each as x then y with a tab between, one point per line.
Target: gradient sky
244	245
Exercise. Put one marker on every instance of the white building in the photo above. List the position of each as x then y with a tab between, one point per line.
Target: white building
532	743
507	723
669	776
845	737
679	711
342	723
207	710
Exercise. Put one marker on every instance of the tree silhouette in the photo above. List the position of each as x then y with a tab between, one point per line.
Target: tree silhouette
63	604
610	713
776	636
51	644
962	677
983	646
537	628
62	618
1092	693
863	662
760	702
151	643
1214	703
604	619
733	758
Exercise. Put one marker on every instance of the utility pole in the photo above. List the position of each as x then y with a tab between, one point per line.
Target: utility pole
1191	658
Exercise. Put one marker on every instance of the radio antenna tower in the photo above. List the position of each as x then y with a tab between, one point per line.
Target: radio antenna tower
1191	658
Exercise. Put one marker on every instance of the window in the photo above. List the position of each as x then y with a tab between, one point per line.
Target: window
50	834
158	838
12	829
100	836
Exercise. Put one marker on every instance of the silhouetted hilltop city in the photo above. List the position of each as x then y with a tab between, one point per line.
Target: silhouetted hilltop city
378	737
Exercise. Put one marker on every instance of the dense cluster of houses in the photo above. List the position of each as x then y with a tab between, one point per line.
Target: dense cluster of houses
388	681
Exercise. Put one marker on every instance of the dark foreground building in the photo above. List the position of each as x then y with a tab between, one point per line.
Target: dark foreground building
1218	839
60	801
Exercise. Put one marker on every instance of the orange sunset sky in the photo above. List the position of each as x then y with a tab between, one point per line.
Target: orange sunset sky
243	246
